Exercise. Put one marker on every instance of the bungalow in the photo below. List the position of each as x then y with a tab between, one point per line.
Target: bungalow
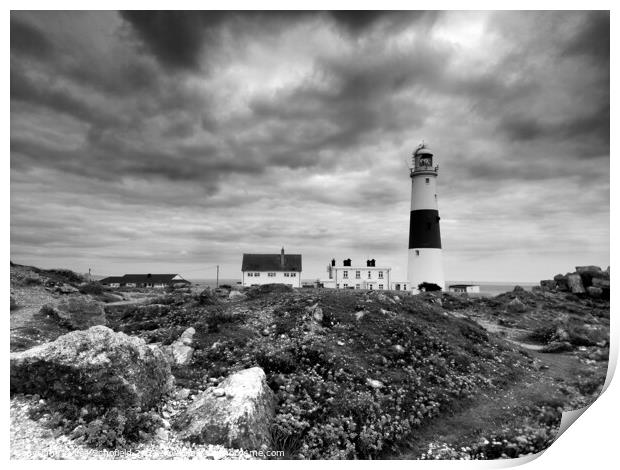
464	288
156	281
258	269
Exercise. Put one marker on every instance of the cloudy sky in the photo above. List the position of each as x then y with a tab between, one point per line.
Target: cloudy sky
172	142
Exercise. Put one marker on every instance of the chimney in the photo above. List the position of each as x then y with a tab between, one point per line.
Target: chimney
372	261
347	262
333	262
367	262
282	257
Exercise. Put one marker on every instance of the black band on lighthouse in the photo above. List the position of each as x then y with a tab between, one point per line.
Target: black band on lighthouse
424	229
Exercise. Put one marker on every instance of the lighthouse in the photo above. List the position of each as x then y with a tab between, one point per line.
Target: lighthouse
425	263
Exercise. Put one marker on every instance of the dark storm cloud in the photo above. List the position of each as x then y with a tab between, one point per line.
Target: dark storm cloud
58	99
29	40
176	37
592	39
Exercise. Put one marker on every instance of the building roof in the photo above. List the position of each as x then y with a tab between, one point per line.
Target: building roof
253	262
151	278
463	285
111	280
143	278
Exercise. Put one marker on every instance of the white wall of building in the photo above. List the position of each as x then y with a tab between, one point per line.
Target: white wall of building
254	278
473	289
400	285
366	277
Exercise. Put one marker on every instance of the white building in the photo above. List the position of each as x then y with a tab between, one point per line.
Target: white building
464	288
258	269
400	285
370	277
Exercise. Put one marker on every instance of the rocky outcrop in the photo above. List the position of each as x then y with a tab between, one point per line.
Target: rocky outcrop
516	306
235	294
587	273
594	292
561	283
580	281
575	285
78	313
182	350
93	366
238	413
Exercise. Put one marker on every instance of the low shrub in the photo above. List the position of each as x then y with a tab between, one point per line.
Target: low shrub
92	288
96	426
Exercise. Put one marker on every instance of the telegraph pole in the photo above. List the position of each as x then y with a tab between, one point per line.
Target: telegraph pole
217	276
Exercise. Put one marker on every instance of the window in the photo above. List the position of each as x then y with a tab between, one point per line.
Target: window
369	274
380	286
357	274
417	252
380	274
293	274
287	275
428	180
404	287
250	274
357	286
370	286
345	274
271	274
345	285
337	286
256	274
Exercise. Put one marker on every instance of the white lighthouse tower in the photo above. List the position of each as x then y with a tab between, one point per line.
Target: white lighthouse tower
425	263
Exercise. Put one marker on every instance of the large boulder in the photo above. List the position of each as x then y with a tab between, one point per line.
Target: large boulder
235	294
595	292
589	272
600	282
575	284
78	313
561	282
516	306
238	413
93	366
180	352
548	284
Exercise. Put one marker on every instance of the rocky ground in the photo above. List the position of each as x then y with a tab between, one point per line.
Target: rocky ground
323	374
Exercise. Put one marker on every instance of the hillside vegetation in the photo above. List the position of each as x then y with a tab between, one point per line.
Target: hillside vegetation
362	374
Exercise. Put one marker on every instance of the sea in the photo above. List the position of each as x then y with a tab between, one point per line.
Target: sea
486	288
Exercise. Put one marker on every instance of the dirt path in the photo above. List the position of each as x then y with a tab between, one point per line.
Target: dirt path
30	300
490	411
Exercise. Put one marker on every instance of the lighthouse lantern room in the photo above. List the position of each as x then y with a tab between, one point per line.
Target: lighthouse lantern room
425	260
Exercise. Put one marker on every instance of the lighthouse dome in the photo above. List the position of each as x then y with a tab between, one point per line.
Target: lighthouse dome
423	151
